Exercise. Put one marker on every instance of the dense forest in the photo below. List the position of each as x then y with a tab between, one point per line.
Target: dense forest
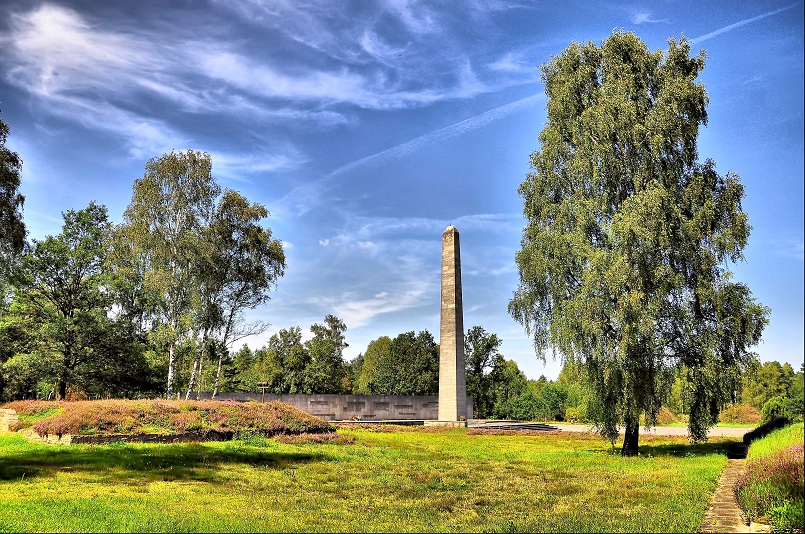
154	306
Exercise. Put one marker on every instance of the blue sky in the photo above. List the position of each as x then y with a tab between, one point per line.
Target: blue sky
367	128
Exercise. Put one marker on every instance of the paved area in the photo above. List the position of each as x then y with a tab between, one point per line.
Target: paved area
663	430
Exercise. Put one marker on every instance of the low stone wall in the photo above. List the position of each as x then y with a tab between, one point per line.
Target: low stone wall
346	407
7	418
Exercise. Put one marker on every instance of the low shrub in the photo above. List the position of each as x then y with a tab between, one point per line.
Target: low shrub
163	416
740	413
774	408
666	417
29	411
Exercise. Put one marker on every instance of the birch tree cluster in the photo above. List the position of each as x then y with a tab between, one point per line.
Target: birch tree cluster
141	307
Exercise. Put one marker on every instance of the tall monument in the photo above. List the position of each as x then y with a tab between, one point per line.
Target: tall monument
452	379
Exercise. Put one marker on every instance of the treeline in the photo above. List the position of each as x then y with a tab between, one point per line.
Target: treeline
767	391
152	306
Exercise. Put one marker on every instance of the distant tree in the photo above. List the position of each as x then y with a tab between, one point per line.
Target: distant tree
378	375
481	355
327	370
511	396
354	368
12	238
405	365
765	381
574	379
417	359
795	403
286	362
622	265
773	408
63	299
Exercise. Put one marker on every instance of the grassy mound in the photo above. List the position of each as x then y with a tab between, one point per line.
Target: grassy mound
772	489
165	417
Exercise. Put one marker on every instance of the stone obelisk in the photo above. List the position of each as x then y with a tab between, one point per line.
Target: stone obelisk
452	379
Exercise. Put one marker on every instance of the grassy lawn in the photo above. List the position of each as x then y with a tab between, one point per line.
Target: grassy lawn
408	480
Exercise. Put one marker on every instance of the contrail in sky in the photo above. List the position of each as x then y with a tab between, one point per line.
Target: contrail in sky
303	198
725	29
442	134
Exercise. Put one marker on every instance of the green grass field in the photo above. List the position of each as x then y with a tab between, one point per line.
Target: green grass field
408	480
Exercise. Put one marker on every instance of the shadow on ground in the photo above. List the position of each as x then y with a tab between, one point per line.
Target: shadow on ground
689	449
146	463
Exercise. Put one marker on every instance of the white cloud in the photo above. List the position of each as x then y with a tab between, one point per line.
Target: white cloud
233	166
643	17
287	245
92	75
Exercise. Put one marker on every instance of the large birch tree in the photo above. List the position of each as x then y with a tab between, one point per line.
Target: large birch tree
624	260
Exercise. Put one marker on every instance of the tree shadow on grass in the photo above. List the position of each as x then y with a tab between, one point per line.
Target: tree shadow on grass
649	448
688	449
143	463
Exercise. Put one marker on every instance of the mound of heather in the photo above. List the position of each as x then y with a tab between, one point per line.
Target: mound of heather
30	411
169	417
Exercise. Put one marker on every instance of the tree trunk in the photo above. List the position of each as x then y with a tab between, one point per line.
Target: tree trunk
631	432
192	378
196	367
171	362
218	374
62	389
200	368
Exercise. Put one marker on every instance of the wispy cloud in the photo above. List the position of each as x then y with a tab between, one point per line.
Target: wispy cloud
644	17
438	136
744	22
84	73
306	197
789	249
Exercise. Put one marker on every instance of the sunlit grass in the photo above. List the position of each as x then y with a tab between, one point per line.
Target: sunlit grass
410	480
777	441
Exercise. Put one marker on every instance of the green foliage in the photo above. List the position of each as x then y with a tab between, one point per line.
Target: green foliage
326	372
12	238
481	355
622	258
61	304
405	365
376	368
766	381
772	409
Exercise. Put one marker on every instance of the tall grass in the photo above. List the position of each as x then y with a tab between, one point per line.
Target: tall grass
406	480
772	490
